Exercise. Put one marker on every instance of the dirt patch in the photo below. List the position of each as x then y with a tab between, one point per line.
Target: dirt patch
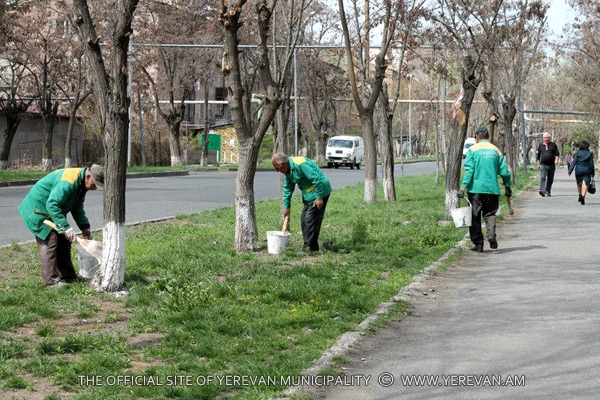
40	390
109	316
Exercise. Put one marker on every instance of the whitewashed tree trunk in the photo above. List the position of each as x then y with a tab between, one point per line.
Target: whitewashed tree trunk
110	277
245	224
176	161
110	91
46	164
68	162
370	194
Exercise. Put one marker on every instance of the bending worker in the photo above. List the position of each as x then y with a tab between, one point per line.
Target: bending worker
52	198
315	188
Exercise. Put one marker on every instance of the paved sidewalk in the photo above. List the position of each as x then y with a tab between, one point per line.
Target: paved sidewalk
526	313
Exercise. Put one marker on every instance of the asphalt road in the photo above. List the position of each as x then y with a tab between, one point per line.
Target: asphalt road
164	197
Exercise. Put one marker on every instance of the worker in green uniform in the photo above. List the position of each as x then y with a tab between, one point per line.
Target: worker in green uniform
315	187
53	197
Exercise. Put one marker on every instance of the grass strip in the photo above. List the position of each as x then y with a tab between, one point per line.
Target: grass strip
203	322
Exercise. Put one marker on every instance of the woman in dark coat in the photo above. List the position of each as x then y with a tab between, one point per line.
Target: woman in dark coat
583	164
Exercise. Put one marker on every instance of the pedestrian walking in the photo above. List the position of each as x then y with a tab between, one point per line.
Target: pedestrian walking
483	164
547	157
315	187
583	165
53	197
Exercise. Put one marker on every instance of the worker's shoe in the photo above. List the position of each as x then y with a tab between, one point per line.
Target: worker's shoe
542	193
478	248
56	284
493	243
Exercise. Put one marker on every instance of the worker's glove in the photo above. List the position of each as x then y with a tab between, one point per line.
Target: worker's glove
507	191
87	234
460	194
70	235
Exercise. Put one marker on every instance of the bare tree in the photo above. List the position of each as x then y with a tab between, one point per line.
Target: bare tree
108	74
15	79
584	52
173	70
324	84
48	52
75	92
12	104
521	30
250	125
369	79
407	24
470	29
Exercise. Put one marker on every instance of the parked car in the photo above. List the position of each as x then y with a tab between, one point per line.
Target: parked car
345	150
468	143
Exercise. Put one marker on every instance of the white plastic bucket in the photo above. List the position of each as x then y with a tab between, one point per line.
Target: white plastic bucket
277	241
462	216
88	264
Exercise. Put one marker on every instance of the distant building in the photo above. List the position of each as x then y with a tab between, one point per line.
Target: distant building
26	149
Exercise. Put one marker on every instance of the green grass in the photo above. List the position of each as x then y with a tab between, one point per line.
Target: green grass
20	175
197	310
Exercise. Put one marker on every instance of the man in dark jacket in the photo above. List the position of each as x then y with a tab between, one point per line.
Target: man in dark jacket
315	187
53	197
547	156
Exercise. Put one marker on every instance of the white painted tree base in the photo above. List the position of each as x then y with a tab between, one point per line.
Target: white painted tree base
111	274
46	164
176	161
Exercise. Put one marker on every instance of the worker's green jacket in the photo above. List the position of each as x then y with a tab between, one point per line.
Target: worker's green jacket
483	164
53	197
305	173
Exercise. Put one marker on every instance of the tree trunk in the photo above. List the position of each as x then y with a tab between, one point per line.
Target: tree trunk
386	149
370	194
12	124
245	221
48	113
141	126
175	145
320	143
509	112
282	122
458	134
69	139
111	95
204	152
111	275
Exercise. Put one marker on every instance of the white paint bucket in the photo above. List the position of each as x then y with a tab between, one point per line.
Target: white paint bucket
277	241
462	216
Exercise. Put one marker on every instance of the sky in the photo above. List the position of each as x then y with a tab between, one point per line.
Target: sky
559	14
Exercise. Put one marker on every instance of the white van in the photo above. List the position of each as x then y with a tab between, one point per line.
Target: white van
468	143
345	150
